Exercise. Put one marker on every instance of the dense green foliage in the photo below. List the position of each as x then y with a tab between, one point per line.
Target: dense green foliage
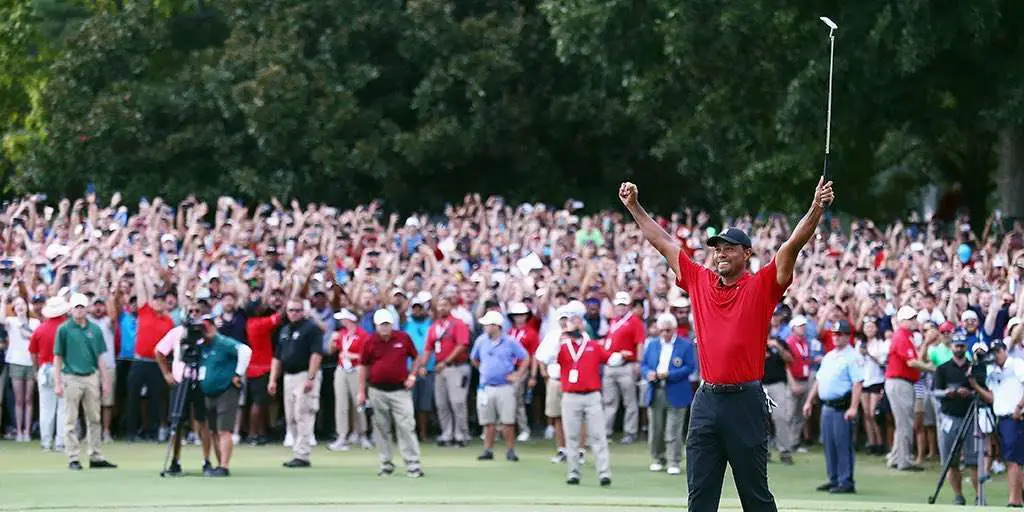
714	103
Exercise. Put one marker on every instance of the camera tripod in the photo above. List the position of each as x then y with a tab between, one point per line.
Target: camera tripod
178	400
969	427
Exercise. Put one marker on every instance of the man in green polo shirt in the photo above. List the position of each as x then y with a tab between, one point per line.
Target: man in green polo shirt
224	363
76	352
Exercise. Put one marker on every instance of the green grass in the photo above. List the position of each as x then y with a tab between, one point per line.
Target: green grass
455	482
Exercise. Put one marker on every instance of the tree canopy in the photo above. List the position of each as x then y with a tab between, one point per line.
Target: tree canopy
711	103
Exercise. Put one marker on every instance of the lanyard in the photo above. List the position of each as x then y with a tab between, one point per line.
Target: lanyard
519	334
616	325
573	353
347	339
440	330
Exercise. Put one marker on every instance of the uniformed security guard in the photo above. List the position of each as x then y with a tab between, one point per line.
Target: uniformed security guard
297	354
838	383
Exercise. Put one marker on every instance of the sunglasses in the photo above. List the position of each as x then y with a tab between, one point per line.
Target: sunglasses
294	310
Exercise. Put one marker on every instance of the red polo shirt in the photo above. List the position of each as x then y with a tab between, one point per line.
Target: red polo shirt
446	334
350	341
41	342
800	365
527	337
901	351
588	366
260	333
731	322
387	359
626	334
152	327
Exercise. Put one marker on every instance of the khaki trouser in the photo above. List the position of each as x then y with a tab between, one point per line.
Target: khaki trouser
795	414
82	391
779	393
300	411
346	387
665	433
901	400
395	407
522	421
577	410
619	384
451	391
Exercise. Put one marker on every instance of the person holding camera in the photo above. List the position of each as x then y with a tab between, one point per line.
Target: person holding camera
220	376
185	366
952	387
1004	380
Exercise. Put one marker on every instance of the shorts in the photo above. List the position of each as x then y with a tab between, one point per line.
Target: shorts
222	409
1011	440
949	427
196	401
423	393
875	389
553	399
256	390
20	372
496	405
926	406
108	396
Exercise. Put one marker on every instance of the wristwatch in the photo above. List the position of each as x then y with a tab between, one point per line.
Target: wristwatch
311	377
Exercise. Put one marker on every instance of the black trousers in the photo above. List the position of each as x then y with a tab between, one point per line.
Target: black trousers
728	428
144	374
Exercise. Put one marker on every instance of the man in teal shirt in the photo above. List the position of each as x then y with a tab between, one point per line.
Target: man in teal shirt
224	363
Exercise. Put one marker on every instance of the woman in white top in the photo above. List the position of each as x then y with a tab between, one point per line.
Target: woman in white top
19	330
874	352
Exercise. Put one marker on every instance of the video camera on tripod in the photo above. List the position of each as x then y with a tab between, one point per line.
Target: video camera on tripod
191	354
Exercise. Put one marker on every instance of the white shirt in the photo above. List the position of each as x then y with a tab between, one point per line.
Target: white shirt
871	370
665	356
1007	385
108	338
547	353
18	335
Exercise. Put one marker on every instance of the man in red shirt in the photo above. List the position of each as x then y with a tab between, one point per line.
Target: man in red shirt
348	344
153	324
799	370
448	342
385	380
626	334
523	332
260	323
40	346
580	360
732	310
901	372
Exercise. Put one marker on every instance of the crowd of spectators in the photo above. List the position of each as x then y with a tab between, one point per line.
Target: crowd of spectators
244	263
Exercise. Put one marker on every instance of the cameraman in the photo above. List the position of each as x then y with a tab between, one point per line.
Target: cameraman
224	363
185	365
951	386
1005	382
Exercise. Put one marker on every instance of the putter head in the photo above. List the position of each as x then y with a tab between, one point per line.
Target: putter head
828	21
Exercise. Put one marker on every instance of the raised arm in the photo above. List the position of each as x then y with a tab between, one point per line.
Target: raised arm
785	259
662	241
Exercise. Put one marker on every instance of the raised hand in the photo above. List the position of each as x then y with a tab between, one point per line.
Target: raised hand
823	194
628	194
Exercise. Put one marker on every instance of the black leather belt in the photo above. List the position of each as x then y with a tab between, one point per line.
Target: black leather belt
842	403
730	388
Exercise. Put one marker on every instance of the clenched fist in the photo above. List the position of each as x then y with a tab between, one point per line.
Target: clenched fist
628	194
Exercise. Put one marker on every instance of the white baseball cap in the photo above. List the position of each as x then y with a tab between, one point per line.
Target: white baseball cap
518	308
622	299
421	299
492	318
562	312
576	308
680	302
383	316
968	315
798	320
906	313
345	314
79	299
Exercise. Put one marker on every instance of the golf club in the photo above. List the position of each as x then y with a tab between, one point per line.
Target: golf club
828	116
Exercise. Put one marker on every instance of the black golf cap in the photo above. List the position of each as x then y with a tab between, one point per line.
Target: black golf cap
841	327
734	236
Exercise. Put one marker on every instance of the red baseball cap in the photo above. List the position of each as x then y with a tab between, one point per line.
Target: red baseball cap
947	327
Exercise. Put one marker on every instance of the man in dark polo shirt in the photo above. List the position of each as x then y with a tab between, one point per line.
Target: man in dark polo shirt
297	355
386	381
153	324
953	389
775	381
732	309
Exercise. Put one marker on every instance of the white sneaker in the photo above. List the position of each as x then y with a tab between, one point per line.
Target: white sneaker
163	434
312	442
583	457
998	467
483	435
235	439
524	436
338	446
549	432
288	440
656	467
674	470
366	443
801	449
559	457
107	438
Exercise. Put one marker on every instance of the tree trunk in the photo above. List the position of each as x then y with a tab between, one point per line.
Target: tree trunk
1010	173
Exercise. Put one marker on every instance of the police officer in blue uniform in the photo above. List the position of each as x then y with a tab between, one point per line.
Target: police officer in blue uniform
838	384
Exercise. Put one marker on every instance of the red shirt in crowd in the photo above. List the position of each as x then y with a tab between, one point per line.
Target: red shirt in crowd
800	365
350	341
387	359
626	334
732	322
41	342
587	367
527	337
260	333
900	352
446	334
683	331
152	327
